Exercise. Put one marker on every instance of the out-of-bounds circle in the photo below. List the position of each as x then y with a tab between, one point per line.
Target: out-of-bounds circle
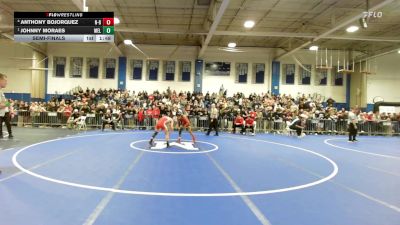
175	194
327	141
214	148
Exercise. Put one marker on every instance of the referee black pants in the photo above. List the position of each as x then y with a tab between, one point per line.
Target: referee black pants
111	123
352	132
213	124
234	128
7	120
298	130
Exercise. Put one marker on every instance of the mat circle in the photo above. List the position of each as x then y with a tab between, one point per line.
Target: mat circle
176	194
215	148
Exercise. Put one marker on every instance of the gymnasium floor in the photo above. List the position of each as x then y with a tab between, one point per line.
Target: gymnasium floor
114	178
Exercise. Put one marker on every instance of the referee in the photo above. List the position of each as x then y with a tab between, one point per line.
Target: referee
213	120
352	124
5	115
4	108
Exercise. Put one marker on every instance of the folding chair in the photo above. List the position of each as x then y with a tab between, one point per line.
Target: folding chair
81	124
288	131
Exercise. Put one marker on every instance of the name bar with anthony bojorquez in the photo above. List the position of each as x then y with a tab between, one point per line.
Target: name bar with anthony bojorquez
55	15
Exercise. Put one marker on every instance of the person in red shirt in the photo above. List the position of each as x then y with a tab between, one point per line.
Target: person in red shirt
184	122
163	124
149	116
156	112
140	118
151	97
239	122
149	112
249	124
68	110
253	115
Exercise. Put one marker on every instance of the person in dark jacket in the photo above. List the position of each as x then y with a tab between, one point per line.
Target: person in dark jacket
108	119
298	125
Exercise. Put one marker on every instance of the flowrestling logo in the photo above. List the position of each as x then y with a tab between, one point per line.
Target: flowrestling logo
158	145
369	16
372	14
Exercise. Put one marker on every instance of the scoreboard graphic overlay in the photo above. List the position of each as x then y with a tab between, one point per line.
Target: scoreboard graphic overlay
64	26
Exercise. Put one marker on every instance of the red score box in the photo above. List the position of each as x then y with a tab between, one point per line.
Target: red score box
108	21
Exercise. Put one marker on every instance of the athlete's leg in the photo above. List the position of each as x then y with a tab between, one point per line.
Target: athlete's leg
180	134
191	133
153	136
167	136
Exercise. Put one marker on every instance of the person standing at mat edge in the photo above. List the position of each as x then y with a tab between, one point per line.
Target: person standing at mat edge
352	124
213	120
5	108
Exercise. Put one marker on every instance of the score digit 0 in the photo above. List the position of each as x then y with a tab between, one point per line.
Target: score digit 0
108	30
108	21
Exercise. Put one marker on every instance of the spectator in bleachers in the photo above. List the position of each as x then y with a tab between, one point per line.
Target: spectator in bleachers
330	102
85	108
107	119
156	112
73	119
140	118
239	122
249	123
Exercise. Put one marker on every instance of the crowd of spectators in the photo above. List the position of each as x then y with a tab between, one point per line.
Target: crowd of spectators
141	104
273	112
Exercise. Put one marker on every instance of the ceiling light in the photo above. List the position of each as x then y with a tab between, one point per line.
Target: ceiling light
227	49
398	52
128	42
314	48
232	44
352	29
249	24
116	20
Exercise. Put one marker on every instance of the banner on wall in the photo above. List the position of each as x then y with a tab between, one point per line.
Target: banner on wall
241	70
260	67
186	68
76	67
137	64
218	68
389	109
153	65
170	67
170	70
260	70
137	69
153	69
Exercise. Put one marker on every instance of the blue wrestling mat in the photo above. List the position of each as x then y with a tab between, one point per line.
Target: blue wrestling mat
116	178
